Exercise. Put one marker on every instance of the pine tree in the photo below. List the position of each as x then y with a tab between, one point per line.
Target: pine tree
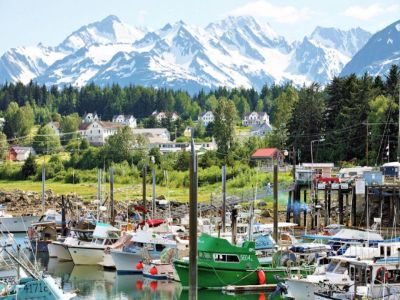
30	167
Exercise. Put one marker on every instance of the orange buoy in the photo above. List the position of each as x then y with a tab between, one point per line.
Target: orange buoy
261	277
153	270
261	297
139	266
153	285
139	284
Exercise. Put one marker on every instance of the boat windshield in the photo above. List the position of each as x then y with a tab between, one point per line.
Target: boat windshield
332	265
341	269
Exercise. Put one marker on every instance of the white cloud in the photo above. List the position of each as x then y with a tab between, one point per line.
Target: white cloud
369	12
282	14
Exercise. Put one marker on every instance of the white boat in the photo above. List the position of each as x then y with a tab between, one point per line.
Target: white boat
14	224
59	248
128	259
92	253
375	278
336	273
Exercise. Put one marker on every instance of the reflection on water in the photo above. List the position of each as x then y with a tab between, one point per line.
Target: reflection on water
92	282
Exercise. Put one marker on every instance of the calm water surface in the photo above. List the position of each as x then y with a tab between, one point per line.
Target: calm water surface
92	282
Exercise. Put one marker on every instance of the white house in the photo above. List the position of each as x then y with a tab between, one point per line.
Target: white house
162	115
97	132
19	153
185	146
154	135
127	120
255	118
90	117
55	126
206	118
260	130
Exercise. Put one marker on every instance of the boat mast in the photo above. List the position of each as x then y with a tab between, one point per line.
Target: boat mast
193	224
98	193
43	180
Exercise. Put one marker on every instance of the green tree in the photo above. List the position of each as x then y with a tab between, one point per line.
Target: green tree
46	140
224	125
18	120
119	147
285	104
183	160
3	146
29	168
69	126
306	123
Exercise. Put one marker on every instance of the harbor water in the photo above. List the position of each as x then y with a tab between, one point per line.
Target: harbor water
93	282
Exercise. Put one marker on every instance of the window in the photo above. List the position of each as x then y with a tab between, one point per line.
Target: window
226	258
382	251
159	247
388	250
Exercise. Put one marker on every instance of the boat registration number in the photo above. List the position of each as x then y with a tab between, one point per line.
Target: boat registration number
35	287
244	257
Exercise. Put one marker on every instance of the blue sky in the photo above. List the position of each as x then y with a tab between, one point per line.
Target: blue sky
28	22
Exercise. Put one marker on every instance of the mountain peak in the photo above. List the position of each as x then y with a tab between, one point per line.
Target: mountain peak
349	42
111	18
108	30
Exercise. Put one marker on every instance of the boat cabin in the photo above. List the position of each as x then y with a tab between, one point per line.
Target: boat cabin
105	234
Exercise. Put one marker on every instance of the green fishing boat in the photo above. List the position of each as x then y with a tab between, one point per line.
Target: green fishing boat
220	264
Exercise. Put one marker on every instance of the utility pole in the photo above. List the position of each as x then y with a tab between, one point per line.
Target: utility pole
144	174
223	198
367	144
63	222
43	180
294	163
276	202
112	195
193	224
398	134
153	207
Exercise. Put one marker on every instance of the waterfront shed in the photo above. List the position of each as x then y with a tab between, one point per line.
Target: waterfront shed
320	169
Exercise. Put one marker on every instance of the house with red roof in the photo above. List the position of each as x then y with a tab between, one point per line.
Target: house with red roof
268	156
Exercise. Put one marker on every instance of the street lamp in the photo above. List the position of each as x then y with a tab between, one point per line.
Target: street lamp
313	141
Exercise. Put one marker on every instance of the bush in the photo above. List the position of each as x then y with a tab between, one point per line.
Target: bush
29	168
11	171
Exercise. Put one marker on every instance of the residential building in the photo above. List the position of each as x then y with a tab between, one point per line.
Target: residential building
260	130
255	118
185	146
18	153
162	115
154	135
55	126
97	132
127	120
206	118
90	117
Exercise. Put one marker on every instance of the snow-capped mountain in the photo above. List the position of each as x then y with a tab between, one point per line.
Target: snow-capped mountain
377	56
323	54
236	51
107	31
347	42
